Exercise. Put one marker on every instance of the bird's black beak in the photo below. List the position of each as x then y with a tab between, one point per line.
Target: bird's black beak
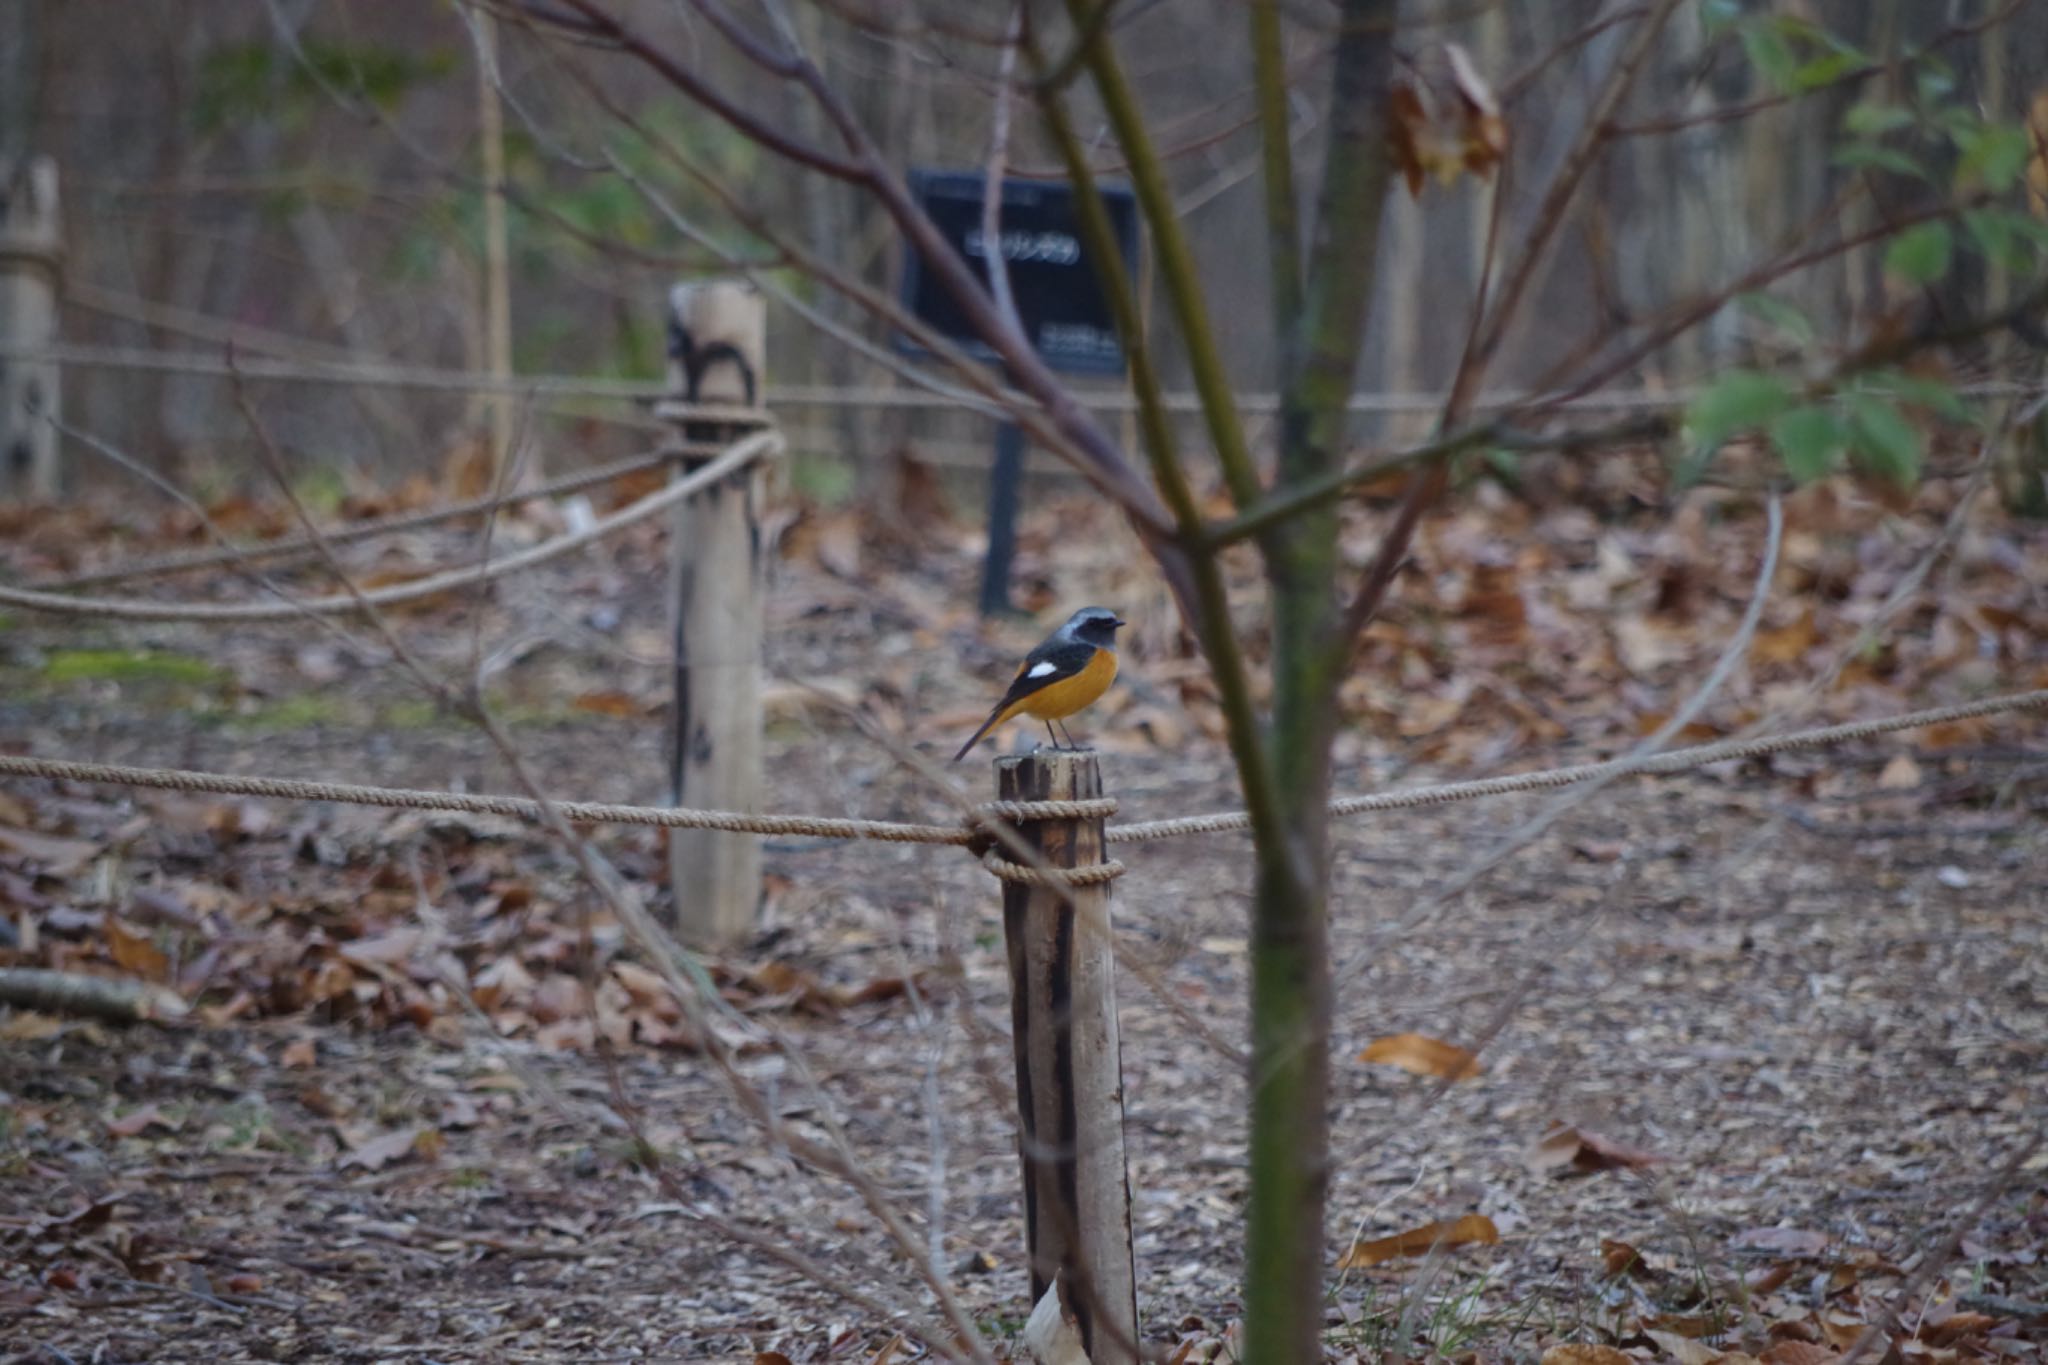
1121	623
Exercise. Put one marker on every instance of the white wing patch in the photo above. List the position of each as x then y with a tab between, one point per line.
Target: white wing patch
1043	670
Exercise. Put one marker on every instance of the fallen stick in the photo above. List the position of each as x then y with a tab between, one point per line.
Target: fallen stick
118	999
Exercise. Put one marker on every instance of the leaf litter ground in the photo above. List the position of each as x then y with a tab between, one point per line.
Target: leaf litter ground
1751	1045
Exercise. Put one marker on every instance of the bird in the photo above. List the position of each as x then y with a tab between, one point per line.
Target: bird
1068	671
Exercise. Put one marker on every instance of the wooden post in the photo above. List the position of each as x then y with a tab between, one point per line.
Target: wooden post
717	334
31	272
1005	482
490	119
1070	1095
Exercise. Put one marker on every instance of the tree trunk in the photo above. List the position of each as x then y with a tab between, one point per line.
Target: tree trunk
1312	647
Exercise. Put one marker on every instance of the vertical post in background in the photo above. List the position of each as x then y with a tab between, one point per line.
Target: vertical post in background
717	346
490	118
1004	482
31	278
1070	1099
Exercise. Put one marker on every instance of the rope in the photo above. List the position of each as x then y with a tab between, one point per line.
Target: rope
395	374
1096	874
372	527
739	822
1676	760
1024	812
467	803
736	457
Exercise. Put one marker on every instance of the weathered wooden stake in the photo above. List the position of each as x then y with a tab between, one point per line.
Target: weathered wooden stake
31	272
717	343
1070	1094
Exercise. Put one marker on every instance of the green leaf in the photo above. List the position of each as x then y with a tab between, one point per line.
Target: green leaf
1870	156
1825	69
1882	440
1921	254
1738	400
1770	54
1932	394
1809	439
1781	314
1994	154
1868	120
1934	82
1995	239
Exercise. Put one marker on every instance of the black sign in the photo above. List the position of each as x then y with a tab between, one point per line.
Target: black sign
1059	297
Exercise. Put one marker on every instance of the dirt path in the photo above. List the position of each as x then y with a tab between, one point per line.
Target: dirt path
1817	993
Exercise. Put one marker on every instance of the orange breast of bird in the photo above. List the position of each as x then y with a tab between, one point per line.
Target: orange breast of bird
1058	700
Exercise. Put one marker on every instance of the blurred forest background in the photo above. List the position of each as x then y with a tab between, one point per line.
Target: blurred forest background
222	182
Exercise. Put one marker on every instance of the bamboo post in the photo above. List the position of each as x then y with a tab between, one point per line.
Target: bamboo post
717	335
31	274
1070	1100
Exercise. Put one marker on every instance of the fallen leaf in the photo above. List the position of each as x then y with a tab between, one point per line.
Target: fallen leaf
1646	646
501	983
1842	1330
1619	1258
1783	1241
27	1026
57	857
560	997
1798	1353
607	702
1901	774
1684	1349
382	950
1567	1151
376	1152
1956	1327
649	990
1768	1279
133	952
1470	1229
299	1054
1786	644
1585	1353
136	1122
84	1218
1422	1055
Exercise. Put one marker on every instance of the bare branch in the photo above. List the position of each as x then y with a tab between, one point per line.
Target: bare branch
992	176
1177	272
1550	210
600	22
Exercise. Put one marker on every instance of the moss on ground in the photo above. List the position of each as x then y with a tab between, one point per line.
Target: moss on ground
133	666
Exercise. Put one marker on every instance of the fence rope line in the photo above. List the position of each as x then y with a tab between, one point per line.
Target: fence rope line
966	833
371	527
1671	761
736	457
402	375
476	803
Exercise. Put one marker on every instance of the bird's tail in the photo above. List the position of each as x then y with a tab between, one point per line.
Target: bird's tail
995	718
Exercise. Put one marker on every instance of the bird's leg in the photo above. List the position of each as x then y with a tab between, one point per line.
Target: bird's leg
1069	734
1055	738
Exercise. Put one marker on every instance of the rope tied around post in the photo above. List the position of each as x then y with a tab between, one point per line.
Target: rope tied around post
1023	812
983	845
1095	874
